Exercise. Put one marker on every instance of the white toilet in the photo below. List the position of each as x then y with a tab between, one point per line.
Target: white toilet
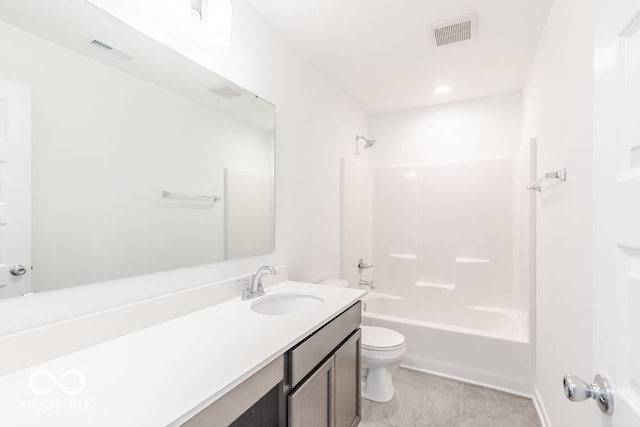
382	351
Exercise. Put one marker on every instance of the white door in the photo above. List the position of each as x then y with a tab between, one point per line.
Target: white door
616	304
15	189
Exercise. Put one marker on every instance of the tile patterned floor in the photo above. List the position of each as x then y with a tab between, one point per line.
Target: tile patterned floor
424	400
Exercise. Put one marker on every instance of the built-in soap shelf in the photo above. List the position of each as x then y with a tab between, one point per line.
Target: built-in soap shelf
459	260
404	256
471	260
447	286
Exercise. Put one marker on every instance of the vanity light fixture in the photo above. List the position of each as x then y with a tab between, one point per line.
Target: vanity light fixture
184	8
442	89
218	14
214	16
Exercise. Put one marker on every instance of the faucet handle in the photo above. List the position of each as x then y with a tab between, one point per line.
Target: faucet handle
246	293
363	266
260	289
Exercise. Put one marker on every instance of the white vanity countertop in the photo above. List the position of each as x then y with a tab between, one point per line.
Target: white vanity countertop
157	375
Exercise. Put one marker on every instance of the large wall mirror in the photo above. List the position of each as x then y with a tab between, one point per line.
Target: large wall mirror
139	161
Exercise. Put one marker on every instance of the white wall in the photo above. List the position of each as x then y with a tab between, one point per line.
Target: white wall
316	125
557	109
478	129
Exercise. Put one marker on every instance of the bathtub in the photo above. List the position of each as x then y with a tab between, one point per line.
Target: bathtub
483	345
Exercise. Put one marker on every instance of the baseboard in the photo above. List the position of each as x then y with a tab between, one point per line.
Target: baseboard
473	375
542	411
468	381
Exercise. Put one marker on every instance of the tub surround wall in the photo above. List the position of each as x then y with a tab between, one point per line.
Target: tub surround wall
478	129
524	206
438	171
443	233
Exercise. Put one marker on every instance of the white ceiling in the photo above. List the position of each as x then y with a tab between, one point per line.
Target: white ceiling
380	52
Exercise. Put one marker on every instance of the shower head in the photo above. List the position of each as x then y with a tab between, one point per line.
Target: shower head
368	143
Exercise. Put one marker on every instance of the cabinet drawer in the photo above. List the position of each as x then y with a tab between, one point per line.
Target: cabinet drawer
309	353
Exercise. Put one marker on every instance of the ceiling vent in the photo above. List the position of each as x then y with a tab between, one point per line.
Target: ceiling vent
456	30
226	92
110	50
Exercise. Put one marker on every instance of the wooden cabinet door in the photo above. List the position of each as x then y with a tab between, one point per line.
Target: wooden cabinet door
312	403
347	382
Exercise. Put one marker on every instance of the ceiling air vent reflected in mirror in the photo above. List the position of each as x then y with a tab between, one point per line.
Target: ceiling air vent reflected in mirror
455	30
110	50
226	92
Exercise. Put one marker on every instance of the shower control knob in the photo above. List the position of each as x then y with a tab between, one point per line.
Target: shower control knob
578	390
362	265
17	270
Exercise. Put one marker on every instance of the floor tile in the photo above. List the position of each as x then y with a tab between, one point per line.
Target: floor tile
376	424
484	407
440	385
414	404
424	400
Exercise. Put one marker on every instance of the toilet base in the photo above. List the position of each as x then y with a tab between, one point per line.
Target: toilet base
378	385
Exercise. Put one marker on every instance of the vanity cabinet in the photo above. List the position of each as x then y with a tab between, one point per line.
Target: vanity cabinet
325	375
315	384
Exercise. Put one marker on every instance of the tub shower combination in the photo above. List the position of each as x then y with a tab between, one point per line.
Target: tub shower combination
451	256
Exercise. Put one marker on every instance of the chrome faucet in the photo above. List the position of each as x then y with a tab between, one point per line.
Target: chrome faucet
368	283
362	266
254	288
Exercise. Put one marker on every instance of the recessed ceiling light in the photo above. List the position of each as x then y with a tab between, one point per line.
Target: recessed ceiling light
441	89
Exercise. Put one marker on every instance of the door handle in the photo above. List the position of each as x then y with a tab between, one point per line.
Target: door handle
17	270
578	390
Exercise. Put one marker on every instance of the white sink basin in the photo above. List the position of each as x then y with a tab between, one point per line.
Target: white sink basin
285	303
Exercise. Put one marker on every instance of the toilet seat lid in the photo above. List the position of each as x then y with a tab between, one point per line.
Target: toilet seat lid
376	338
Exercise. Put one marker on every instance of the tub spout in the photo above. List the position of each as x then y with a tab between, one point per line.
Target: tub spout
368	283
